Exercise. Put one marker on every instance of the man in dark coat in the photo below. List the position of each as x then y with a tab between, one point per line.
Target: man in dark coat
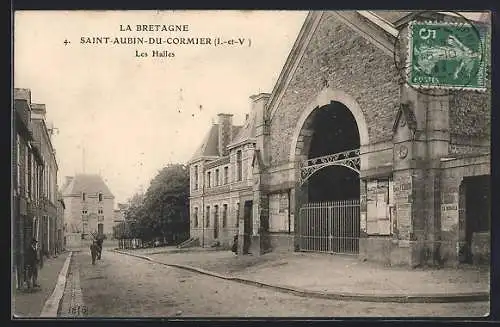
32	262
99	241
94	248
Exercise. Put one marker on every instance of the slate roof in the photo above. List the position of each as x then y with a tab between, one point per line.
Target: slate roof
88	183
247	131
210	144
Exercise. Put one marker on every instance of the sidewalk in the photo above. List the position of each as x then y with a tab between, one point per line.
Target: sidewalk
30	303
337	276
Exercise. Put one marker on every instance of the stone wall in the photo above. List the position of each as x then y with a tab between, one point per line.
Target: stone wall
470	113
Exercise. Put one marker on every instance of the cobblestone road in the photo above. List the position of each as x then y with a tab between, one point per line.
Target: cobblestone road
124	286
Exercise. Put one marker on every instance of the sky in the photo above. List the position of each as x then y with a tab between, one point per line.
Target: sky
126	117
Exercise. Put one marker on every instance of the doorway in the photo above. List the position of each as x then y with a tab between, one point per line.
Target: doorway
247	225
216	222
329	212
477	211
100	229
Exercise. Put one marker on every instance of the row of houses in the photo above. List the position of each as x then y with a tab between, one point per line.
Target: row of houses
37	206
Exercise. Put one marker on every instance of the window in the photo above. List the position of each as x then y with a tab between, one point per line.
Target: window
216	182
84	196
196	177
26	170
49	191
100	211
195	216
207	222
226	175
216	216
40	181
84	211
30	176
224	215
208	179
239	167
45	181
33	177
100	197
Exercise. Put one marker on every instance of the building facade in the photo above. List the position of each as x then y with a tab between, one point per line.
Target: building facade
60	223
343	158
89	208
34	176
45	222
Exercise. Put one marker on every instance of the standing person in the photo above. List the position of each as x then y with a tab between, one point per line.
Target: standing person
32	262
93	251
99	242
234	248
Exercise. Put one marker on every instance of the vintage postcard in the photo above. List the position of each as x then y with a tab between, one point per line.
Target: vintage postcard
251	163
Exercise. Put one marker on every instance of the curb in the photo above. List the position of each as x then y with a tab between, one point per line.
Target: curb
414	298
51	307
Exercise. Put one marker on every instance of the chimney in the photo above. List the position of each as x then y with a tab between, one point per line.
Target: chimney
22	94
259	102
38	111
225	132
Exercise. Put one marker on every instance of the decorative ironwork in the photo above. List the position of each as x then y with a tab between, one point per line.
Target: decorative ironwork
349	159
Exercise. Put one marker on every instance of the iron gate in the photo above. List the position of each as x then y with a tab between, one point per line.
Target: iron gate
331	227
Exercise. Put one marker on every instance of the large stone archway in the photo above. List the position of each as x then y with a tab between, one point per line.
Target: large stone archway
329	181
302	132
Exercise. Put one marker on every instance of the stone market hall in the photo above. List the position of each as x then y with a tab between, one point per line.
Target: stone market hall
343	158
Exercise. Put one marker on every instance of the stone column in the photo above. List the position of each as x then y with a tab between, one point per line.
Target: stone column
419	143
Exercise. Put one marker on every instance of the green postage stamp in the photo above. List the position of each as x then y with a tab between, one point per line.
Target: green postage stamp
445	55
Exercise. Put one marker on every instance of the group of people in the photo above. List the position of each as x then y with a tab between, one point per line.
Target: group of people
34	260
96	249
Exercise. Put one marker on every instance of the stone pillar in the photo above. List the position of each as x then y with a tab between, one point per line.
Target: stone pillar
259	241
259	102
419	143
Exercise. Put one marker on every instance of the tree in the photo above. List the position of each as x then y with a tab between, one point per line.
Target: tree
165	209
133	214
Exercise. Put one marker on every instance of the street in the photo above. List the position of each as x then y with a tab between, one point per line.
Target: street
124	286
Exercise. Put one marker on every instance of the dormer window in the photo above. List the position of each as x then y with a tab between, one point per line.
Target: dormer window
100	197
84	196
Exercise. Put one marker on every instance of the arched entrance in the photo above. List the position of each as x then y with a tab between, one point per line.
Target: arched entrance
328	186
